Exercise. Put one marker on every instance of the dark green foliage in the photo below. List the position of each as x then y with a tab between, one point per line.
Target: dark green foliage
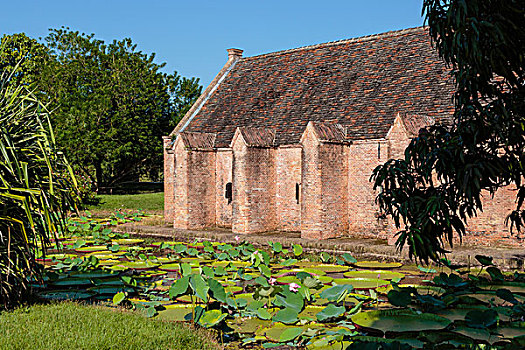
37	186
111	102
483	148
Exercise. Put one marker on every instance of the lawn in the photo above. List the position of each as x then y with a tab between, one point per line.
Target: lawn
69	325
149	202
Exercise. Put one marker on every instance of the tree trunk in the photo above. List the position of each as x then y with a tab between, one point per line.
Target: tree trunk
98	175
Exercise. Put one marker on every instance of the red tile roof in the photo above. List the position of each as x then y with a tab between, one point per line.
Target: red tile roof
360	83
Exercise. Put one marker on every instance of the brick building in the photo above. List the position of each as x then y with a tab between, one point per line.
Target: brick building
287	141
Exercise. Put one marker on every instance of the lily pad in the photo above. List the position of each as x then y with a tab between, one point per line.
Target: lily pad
294	279
93	248
72	282
378	274
175	312
377	265
128	241
66	295
399	321
330	268
248	325
138	265
309	312
362	283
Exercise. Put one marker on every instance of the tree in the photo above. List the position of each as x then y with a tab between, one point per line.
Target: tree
37	186
111	102
22	58
447	169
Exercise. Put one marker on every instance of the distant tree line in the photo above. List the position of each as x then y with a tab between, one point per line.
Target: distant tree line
110	102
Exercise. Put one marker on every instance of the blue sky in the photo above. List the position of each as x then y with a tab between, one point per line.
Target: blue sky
192	36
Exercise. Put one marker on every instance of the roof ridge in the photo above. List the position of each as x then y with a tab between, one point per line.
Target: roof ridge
363	38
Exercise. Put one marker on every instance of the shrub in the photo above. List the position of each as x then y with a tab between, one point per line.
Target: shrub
34	197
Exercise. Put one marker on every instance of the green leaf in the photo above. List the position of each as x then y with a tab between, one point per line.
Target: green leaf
119	298
297	249
290	334
199	286
481	318
265	270
179	287
263	314
325	257
330	312
349	258
484	260
217	290
286	316
211	318
399	298
336	293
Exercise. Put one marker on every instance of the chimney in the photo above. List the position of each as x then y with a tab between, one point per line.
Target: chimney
234	53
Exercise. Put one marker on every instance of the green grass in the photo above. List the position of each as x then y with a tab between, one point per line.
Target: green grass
150	202
70	325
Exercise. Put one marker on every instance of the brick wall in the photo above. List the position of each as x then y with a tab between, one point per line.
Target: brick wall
363	157
288	169
169	190
194	187
253	188
324	188
223	175
181	217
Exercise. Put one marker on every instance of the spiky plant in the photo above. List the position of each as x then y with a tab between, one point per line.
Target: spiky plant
37	187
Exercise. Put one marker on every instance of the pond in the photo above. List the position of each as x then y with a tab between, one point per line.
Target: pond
273	296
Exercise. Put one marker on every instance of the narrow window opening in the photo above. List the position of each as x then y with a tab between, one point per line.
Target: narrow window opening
228	192
297	192
379	150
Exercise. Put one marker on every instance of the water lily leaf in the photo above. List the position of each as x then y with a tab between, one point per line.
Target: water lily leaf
262	281
199	286
254	305
93	248
290	300
180	248
495	274
265	270
481	318
336	293
378	274
263	314
211	318
451	280
362	283
399	298
484	260
426	269
179	287
330	312
175	312
119	298
297	249
288	262
377	265
128	241
277	247
217	290
331	268
399	321
290	334
66	295
286	316
348	258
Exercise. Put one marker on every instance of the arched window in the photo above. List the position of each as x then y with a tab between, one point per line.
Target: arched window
228	192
